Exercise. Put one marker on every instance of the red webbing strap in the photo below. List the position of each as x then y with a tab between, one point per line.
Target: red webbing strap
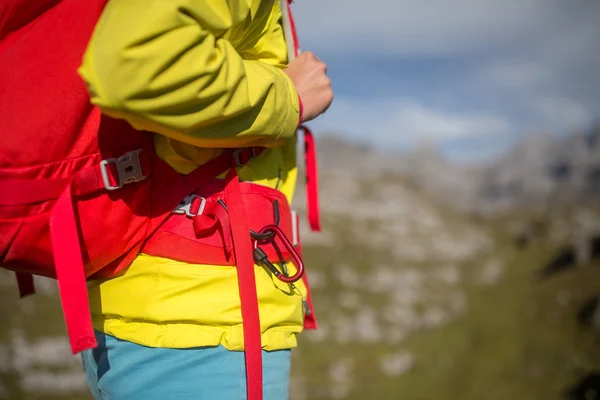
242	247
67	249
70	272
14	192
310	320
310	155
293	29
25	284
312	184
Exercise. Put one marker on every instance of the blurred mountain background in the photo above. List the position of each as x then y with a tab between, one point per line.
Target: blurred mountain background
431	279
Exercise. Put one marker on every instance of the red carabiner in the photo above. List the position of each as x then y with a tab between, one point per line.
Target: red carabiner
274	229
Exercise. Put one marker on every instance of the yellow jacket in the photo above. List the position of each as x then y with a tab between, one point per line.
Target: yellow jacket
204	75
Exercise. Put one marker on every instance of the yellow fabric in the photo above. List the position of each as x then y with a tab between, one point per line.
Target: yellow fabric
204	75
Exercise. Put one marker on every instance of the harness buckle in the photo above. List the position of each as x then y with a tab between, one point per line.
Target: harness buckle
128	168
191	206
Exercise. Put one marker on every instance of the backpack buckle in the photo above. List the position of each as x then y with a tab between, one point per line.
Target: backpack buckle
191	206
128	170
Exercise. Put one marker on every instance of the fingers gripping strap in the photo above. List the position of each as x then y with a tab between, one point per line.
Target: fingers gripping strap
70	272
242	247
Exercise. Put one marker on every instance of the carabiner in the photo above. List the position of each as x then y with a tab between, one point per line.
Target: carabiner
260	237
277	232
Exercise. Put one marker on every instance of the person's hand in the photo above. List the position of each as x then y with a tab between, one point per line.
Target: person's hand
309	75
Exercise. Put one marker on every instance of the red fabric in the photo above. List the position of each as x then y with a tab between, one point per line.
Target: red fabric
294	33
242	246
310	319
70	273
312	183
19	191
203	225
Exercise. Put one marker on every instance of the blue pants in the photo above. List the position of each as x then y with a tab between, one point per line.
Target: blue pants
121	370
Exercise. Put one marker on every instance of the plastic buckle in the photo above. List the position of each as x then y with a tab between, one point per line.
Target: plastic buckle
185	207
237	156
128	166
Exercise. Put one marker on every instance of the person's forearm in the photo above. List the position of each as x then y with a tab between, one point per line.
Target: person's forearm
167	67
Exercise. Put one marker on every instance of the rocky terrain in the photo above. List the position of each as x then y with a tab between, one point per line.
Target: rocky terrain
541	171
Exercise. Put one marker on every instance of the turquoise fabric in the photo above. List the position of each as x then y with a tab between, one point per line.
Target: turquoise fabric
119	370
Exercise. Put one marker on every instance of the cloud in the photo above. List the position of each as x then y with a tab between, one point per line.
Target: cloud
540	91
417	121
559	113
516	74
399	122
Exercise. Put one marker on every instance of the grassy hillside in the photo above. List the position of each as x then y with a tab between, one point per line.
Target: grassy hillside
516	337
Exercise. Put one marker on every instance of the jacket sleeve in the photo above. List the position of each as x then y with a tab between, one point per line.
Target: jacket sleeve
169	66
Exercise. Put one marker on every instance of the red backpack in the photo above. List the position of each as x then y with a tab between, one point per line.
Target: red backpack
81	194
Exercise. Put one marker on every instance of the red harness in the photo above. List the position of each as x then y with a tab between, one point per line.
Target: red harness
81	196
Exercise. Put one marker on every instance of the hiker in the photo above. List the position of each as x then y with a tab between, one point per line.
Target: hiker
203	76
148	165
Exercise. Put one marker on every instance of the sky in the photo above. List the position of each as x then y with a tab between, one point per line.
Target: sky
471	77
